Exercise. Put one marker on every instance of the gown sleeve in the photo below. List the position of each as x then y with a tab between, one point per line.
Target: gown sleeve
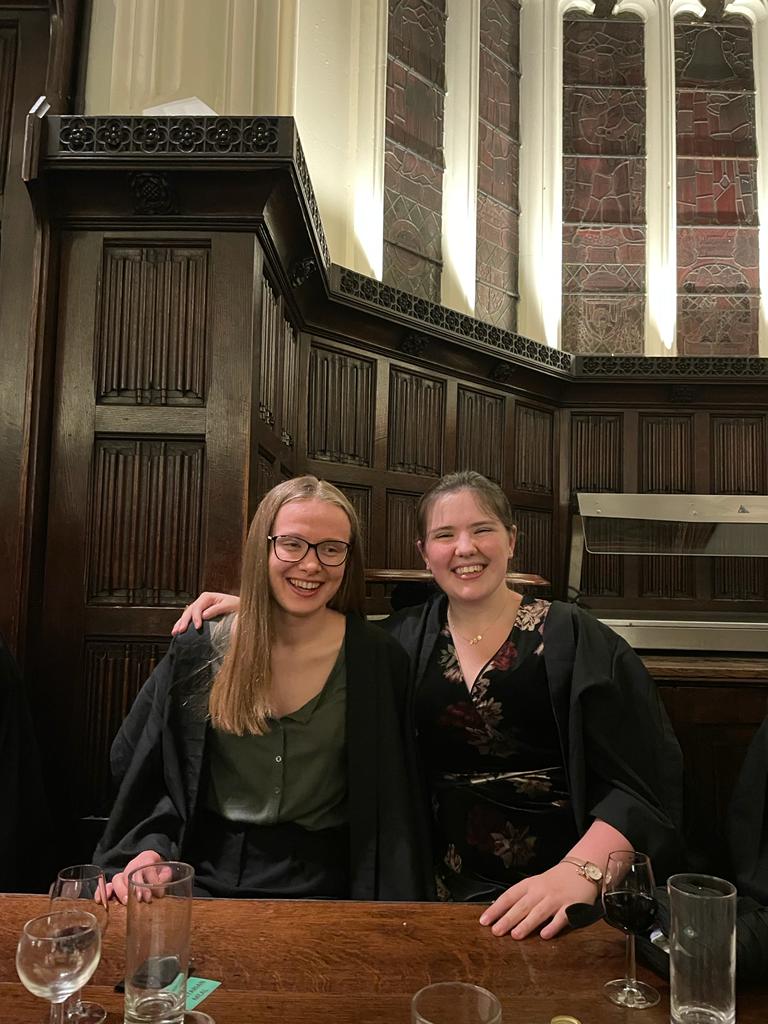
146	814
634	765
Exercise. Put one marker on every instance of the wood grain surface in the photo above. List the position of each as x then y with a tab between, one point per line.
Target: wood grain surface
308	962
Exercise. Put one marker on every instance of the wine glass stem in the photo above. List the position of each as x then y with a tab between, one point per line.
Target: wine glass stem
630	968
72	1006
58	1015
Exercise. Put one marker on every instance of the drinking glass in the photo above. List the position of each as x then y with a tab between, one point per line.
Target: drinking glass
57	954
157	944
702	950
455	1002
630	906
73	885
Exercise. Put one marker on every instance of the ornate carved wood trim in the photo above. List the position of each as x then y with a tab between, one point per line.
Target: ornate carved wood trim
162	152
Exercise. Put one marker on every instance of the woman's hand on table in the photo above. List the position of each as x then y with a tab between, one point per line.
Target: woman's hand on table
537	900
207	606
118	887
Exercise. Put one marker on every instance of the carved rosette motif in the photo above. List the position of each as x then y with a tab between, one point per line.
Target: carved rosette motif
682	366
157	136
414	343
367	290
301	271
309	197
153	194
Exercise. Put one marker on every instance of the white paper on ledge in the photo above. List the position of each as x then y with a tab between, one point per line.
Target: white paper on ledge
189	106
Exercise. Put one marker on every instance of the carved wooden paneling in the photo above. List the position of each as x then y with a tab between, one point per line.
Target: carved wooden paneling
265	474
533	449
480	433
596	452
360	499
597	465
151	336
738	466
738	455
401	549
342	401
739	579
667	577
145	522
533	550
289	386
271	332
7	69
416	422
665	465
715	724
114	672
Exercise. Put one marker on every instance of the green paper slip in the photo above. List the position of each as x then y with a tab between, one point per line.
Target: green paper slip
199	989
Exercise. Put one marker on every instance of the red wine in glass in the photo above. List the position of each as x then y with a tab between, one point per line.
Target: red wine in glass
629	905
630	911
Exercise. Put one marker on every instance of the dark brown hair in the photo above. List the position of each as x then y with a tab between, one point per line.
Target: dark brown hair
489	495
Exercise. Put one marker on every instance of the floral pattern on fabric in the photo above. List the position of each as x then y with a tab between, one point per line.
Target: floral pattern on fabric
499	794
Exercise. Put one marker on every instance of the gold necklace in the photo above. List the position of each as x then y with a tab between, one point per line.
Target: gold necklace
472	641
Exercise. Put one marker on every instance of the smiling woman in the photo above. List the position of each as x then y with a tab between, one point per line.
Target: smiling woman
544	740
266	749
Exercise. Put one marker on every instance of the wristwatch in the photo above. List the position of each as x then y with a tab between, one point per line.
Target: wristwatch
587	870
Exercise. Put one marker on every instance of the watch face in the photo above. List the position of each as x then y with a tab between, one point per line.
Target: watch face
593	872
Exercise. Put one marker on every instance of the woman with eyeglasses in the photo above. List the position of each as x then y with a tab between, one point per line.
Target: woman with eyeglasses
267	749
542	736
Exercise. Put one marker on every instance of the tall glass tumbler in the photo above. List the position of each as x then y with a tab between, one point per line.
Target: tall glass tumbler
157	943
702	949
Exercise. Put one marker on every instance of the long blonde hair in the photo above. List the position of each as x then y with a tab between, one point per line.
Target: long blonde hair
239	698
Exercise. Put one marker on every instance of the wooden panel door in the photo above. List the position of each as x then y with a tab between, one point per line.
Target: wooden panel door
154	413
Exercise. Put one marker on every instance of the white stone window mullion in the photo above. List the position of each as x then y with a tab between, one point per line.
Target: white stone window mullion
541	171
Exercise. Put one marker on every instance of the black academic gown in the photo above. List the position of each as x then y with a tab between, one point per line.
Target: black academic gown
622	759
157	759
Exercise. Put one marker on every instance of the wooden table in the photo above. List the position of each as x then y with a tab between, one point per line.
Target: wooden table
308	962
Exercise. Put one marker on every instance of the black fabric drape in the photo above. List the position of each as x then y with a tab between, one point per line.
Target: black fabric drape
25	836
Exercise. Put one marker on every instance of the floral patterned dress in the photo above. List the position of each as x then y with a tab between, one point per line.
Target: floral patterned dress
499	792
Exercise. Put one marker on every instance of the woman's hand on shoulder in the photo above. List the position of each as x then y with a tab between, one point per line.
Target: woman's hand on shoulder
207	606
118	887
539	900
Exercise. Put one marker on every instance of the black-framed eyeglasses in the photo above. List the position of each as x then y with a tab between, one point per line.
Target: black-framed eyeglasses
293	549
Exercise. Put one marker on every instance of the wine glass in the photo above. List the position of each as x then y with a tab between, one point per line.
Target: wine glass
57	954
72	887
630	906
